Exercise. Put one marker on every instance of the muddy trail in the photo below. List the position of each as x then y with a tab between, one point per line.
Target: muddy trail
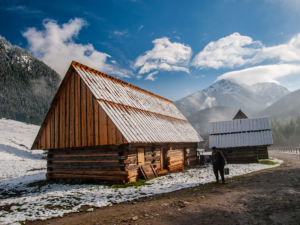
270	196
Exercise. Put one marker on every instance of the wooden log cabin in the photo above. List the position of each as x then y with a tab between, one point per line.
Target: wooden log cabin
242	140
99	127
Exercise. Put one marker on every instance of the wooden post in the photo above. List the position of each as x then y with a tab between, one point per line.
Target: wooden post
72	110
67	141
56	126
141	156
83	114
96	123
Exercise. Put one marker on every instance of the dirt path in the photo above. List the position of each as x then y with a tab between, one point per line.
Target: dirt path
268	197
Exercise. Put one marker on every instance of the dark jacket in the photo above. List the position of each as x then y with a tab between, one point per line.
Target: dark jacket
218	157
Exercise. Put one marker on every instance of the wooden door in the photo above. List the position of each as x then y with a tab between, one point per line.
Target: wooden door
141	156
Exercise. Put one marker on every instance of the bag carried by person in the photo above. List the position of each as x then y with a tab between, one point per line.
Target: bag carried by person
226	171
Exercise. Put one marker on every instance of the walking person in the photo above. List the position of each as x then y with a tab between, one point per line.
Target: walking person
218	164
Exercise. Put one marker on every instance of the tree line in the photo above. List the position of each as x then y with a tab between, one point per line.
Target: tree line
286	132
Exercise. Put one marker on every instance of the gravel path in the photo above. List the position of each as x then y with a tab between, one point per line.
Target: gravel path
271	196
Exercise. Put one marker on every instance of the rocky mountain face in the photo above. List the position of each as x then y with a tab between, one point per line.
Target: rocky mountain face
229	94
27	85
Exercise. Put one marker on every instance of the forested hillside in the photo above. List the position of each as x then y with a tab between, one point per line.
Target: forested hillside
286	132
27	85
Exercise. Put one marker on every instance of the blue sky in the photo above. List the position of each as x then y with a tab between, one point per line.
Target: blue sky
172	48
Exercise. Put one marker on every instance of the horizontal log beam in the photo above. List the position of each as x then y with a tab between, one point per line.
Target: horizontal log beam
79	172
86	158
83	152
94	177
85	165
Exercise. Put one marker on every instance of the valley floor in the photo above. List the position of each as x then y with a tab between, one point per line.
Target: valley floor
271	196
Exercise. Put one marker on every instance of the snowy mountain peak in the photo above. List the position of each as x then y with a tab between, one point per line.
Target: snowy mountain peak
222	87
15	54
273	90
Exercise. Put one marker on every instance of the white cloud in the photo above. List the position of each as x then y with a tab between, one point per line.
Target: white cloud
141	27
23	10
150	76
56	47
199	76
289	52
120	33
258	74
177	37
236	50
227	52
164	56
289	4
209	102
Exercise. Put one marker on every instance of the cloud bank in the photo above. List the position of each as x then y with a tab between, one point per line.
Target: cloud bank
56	47
259	74
236	51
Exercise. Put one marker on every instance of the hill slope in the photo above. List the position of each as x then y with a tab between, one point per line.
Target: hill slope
27	85
288	106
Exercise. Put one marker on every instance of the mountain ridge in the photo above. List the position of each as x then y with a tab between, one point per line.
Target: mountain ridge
230	94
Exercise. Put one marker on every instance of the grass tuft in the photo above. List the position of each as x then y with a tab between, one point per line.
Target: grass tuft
267	162
139	183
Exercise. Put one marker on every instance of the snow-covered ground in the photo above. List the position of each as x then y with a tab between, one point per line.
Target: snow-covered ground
52	200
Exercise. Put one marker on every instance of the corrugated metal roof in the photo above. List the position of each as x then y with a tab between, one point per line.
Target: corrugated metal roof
142	126
139	115
240	133
112	91
240	125
241	139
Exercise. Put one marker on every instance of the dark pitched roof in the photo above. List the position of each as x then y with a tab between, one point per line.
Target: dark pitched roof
240	115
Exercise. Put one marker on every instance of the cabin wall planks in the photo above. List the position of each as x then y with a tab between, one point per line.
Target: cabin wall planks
77	120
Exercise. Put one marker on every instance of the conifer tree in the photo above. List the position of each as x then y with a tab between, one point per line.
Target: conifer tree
27	120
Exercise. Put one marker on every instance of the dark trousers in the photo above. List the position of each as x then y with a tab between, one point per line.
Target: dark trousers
219	167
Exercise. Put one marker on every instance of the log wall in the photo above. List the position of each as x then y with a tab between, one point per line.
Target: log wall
175	159
262	152
240	155
111	162
76	120
105	163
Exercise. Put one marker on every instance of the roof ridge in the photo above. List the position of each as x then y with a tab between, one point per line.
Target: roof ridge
99	73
